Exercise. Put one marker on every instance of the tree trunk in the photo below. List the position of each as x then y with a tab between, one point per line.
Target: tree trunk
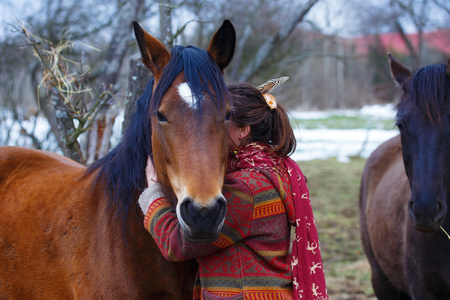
66	127
414	55
266	49
239	51
165	23
98	142
44	106
137	81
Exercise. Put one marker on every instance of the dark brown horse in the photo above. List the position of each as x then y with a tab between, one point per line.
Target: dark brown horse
67	232
405	192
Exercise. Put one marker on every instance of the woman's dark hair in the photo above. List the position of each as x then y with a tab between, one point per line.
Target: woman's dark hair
266	125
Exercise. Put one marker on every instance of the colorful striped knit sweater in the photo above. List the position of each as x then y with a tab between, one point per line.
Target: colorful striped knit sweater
250	259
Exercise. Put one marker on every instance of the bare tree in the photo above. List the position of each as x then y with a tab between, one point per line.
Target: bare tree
98	142
417	13
165	22
267	47
67	91
263	27
402	16
443	5
72	16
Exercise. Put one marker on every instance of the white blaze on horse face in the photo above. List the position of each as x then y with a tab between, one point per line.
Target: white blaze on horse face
186	94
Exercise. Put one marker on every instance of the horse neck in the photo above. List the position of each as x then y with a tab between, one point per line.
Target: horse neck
132	257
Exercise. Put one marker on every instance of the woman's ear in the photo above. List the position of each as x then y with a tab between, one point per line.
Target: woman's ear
244	132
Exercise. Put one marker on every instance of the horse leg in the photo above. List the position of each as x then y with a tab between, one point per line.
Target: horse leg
382	286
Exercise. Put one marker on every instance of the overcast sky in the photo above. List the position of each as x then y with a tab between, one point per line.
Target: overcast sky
332	16
328	15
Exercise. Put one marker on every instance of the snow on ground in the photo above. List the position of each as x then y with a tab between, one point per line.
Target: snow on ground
311	143
339	143
342	143
376	111
12	133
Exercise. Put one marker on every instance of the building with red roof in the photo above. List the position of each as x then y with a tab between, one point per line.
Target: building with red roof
438	40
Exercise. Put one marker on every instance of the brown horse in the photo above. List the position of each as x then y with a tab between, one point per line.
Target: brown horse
69	232
405	194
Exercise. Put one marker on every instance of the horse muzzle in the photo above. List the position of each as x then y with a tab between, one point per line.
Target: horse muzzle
202	223
427	218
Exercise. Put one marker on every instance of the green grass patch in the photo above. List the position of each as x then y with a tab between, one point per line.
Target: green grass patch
345	122
334	191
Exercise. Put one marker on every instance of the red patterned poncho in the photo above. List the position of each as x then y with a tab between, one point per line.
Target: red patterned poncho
250	259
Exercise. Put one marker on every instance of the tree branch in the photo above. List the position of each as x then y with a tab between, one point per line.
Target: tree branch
266	49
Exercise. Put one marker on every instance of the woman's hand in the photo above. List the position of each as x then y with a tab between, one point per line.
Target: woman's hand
150	173
154	190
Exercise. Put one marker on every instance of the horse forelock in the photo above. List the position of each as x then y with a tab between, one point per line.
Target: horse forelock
428	92
201	73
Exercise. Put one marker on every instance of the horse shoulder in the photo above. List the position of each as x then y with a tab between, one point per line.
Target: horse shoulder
384	184
384	190
18	159
44	216
385	157
60	239
26	174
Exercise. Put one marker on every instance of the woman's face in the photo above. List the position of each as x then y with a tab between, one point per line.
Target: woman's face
237	135
234	136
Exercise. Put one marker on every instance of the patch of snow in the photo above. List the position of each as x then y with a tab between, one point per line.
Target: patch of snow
340	143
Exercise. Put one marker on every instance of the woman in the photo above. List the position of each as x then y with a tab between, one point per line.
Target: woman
266	194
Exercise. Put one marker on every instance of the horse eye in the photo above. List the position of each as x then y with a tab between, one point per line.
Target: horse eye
161	117
400	127
228	116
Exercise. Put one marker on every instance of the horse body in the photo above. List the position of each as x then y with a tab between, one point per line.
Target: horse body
70	247
405	193
71	232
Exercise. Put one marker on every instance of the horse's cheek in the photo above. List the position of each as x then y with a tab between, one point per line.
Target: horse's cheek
161	157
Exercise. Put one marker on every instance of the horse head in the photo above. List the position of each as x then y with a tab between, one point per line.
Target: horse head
423	119
189	112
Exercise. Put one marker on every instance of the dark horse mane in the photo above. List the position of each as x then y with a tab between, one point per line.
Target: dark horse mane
428	91
122	170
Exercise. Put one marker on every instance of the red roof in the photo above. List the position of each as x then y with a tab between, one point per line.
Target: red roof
392	42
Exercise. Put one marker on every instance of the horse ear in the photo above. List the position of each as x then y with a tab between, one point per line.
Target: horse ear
398	71
223	42
154	54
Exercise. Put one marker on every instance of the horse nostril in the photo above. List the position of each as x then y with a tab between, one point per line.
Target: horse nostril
221	209
441	212
218	205
190	209
411	208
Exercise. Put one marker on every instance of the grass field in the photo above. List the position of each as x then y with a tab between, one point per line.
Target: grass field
346	122
334	190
